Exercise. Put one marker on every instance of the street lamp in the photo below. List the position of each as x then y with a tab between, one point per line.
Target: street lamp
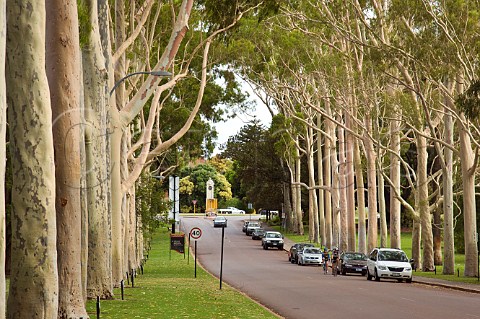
154	73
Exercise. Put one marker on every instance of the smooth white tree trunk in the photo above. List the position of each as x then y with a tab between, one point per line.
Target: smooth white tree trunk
423	204
312	193
342	184
362	227
99	274
395	204
34	277
63	68
447	183
372	188
320	181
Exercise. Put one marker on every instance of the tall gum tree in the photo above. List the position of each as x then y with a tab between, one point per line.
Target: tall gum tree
63	71
34	277
99	274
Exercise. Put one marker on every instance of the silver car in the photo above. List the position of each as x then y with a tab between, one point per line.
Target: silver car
310	256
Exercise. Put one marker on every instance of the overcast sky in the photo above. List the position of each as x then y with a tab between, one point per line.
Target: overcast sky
233	126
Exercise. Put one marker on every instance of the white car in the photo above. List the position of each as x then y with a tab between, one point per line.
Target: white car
272	239
389	263
236	210
310	256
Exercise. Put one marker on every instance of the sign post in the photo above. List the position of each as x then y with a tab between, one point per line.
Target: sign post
194	202
177	243
196	234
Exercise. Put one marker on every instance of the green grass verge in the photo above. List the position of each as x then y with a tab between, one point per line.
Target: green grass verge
407	247
168	289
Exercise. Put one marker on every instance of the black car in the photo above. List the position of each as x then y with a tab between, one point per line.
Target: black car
258	233
353	262
293	252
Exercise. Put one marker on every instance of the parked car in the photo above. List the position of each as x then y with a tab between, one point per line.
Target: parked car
272	239
236	210
293	252
245	224
220	221
258	233
353	262
389	263
251	227
310	256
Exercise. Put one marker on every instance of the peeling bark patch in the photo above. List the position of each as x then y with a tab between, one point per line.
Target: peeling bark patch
63	202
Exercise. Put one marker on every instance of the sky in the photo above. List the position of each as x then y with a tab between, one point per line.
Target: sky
232	126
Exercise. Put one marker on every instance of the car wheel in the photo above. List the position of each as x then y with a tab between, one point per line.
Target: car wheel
280	247
344	271
377	277
400	280
409	280
265	247
369	277
364	273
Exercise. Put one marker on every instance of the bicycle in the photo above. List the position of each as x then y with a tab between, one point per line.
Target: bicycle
334	268
325	267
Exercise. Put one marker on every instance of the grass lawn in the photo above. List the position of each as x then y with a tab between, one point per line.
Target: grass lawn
168	289
407	247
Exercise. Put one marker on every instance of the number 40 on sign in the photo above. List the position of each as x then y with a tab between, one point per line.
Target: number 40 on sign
196	233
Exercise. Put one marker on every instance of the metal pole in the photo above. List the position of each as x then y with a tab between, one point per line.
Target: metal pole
221	258
98	307
195	259
188	246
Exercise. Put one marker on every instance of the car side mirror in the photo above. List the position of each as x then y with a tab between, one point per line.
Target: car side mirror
412	261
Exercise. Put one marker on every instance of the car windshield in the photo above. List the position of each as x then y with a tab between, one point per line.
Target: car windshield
254	225
259	230
355	256
273	235
391	255
220	219
312	251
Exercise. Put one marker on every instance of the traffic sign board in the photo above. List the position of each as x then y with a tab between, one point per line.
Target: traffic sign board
196	233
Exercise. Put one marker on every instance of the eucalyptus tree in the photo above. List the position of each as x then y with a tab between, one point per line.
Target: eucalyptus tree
63	66
34	277
215	22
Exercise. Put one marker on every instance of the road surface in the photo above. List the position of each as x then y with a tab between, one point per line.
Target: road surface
305	292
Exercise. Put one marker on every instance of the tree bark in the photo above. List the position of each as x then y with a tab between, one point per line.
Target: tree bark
3	155
350	184
342	184
469	206
34	277
372	187
328	177
64	74
99	281
395	204
321	192
423	204
416	239
298	193
312	193
447	183
362	229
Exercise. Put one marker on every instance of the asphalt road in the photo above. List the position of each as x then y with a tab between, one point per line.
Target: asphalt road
305	292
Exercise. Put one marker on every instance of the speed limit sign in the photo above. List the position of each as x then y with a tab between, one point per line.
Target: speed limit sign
196	233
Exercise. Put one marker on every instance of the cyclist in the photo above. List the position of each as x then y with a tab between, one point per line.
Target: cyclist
335	257
326	258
